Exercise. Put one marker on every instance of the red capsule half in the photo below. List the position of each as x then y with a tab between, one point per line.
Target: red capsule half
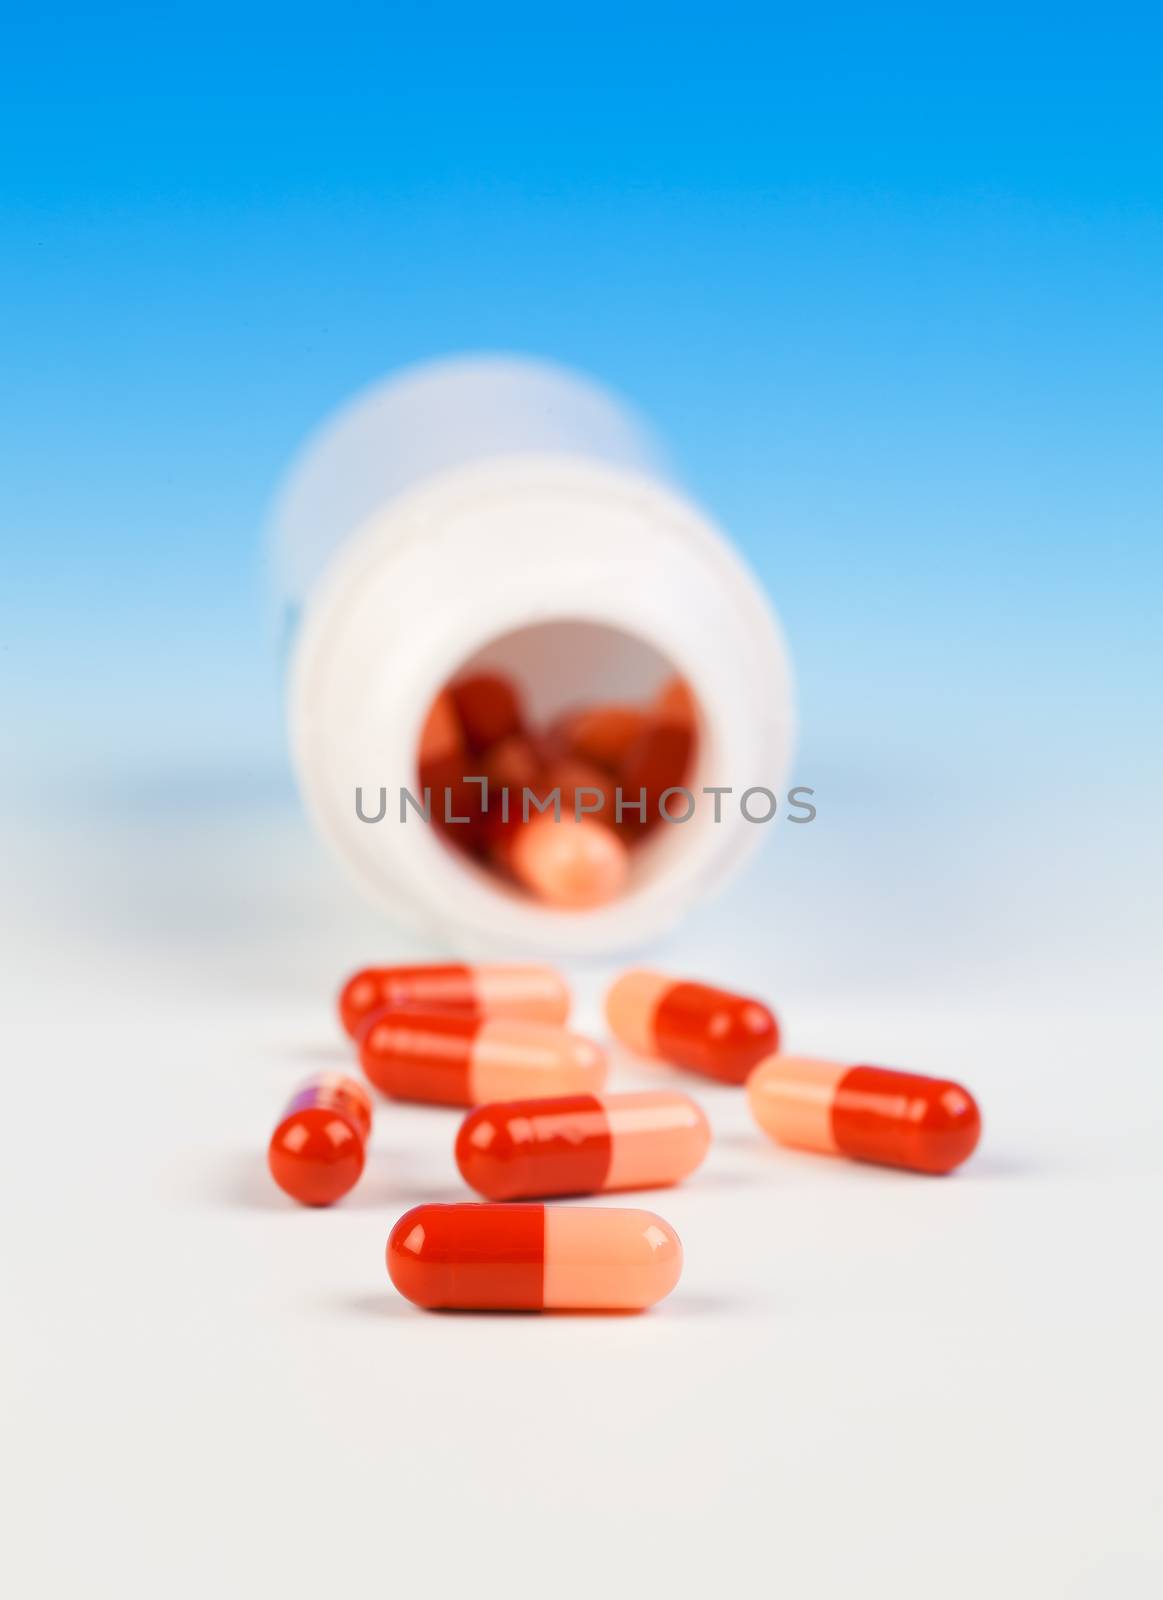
316	1153
712	1031
533	993
446	1058
581	1144
530	1258
898	1119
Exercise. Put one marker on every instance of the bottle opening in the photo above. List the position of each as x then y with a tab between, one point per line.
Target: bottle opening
556	762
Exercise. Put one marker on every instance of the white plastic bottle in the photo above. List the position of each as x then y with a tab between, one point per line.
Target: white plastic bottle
511	514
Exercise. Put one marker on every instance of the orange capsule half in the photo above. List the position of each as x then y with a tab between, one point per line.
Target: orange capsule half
581	1144
533	993
447	1059
532	1258
899	1119
707	1030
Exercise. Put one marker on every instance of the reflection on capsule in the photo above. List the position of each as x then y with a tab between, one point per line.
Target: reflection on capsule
898	1119
712	1031
534	993
532	1258
316	1153
446	1058
581	1144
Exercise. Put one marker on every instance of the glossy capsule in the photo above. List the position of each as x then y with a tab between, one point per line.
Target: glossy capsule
454	1060
711	1031
316	1153
535	994
581	1144
532	1258
899	1119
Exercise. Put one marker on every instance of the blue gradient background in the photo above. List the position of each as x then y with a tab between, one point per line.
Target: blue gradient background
891	286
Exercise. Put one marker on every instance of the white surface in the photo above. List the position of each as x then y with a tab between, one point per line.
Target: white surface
866	1383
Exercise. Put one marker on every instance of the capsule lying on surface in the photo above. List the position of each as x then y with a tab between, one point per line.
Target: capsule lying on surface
534	993
532	1258
899	1119
712	1031
446	1058
581	1144
316	1153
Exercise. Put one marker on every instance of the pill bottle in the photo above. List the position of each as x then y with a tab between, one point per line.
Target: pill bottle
508	514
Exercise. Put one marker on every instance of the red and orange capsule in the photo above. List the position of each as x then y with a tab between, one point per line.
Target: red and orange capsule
581	1144
711	1031
532	1258
316	1153
532	993
455	1060
898	1119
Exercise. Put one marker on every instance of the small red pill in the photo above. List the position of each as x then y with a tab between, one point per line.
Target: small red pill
898	1119
488	708
455	807
446	1058
317	1151
513	764
530	1258
712	1031
534	993
581	1144
586	790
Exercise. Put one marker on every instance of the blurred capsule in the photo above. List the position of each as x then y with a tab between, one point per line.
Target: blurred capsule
441	737
660	759
675	703
571	862
585	789
601	734
488	708
513	764
531	1258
